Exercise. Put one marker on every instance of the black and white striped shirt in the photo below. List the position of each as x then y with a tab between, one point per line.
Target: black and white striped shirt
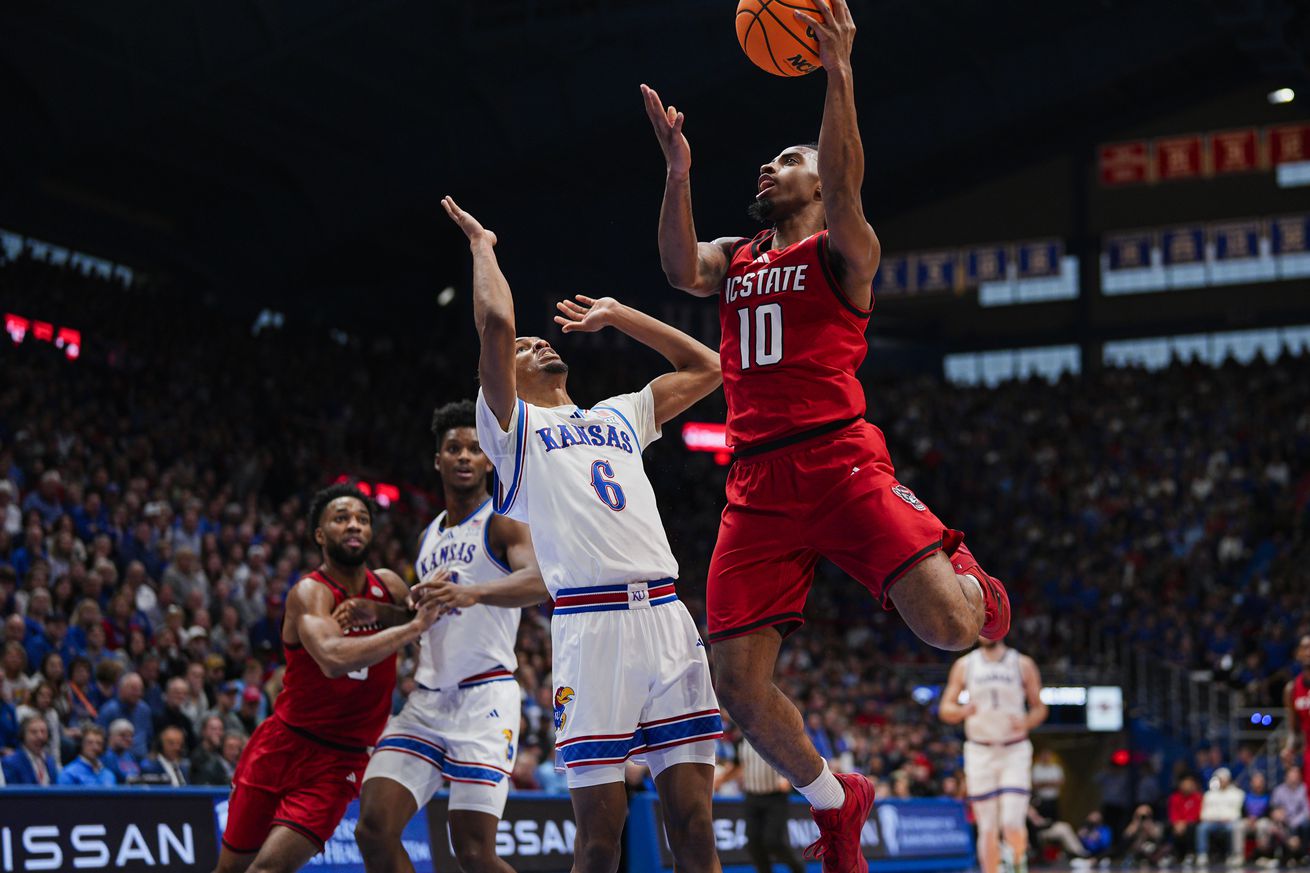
754	774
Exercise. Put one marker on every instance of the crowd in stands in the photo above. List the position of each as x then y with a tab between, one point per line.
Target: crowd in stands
153	494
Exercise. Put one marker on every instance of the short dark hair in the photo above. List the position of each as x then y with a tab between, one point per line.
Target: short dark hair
341	489
461	413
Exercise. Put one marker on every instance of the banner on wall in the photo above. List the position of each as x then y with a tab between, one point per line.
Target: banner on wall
115	829
918	833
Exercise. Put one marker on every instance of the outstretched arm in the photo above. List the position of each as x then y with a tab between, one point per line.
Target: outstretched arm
309	609
841	156
696	366
493	313
695	267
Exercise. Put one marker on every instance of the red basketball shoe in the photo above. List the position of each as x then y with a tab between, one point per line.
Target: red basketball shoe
996	602
838	845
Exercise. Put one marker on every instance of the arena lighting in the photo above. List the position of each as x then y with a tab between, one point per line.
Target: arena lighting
1282	95
1120	758
1064	695
703	436
66	338
384	493
446	295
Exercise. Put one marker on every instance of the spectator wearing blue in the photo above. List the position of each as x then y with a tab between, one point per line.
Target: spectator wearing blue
8	728
31	551
45	499
30	765
119	759
1096	836
89	770
36	641
129	705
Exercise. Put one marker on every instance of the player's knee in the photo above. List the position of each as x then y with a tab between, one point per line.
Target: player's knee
373	834
474	857
953	630
691	838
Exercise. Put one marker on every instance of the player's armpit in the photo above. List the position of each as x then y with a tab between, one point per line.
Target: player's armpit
711	266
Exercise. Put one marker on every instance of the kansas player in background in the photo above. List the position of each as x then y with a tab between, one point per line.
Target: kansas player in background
461	725
1296	699
304	764
1005	704
631	676
812	477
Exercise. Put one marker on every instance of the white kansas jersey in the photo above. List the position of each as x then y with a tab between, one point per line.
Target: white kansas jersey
576	477
996	689
476	642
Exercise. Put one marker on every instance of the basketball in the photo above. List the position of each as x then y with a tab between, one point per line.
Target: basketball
774	39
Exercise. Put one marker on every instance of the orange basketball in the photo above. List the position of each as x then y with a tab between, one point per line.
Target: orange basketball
775	39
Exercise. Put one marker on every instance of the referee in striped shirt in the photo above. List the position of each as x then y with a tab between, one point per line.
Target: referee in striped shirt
766	795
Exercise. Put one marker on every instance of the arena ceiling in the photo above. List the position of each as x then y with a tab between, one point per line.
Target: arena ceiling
297	149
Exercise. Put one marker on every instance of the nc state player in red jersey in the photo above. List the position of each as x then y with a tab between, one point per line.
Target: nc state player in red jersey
1296	699
304	764
812	478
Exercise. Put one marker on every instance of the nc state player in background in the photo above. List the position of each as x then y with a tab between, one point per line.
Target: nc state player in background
304	764
812	477
1296	699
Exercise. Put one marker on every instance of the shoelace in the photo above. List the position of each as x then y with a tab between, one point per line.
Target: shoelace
817	849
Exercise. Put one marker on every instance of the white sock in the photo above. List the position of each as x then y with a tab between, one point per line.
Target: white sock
826	792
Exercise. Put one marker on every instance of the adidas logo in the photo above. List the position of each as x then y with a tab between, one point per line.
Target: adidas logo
493	714
351	778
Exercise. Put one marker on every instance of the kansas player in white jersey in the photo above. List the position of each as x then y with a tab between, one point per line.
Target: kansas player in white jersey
630	673
460	727
1004	704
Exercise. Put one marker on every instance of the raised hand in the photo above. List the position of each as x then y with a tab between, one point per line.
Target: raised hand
586	315
667	122
472	228
835	32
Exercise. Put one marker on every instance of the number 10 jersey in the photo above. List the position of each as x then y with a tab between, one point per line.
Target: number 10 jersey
791	341
576	478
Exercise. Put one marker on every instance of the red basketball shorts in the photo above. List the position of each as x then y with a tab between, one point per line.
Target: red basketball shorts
287	779
834	496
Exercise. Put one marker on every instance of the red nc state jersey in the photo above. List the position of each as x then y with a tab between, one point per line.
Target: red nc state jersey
792	341
1301	708
350	710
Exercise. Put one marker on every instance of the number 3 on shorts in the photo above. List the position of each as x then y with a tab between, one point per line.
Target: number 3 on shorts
609	491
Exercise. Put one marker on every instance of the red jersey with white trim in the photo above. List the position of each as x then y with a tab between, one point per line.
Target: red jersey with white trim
792	341
1301	708
350	710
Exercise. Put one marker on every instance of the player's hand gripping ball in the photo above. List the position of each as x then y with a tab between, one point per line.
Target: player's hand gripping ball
775	40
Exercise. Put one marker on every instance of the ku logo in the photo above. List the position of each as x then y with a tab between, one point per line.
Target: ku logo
563	697
639	596
509	744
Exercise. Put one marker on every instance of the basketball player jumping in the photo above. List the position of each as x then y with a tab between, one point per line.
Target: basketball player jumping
304	764
1005	703
631	676
812	477
461	725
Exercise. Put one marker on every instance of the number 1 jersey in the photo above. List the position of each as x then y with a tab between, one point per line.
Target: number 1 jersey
576	478
792	341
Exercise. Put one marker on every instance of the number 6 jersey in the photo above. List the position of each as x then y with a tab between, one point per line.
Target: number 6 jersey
791	341
576	478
